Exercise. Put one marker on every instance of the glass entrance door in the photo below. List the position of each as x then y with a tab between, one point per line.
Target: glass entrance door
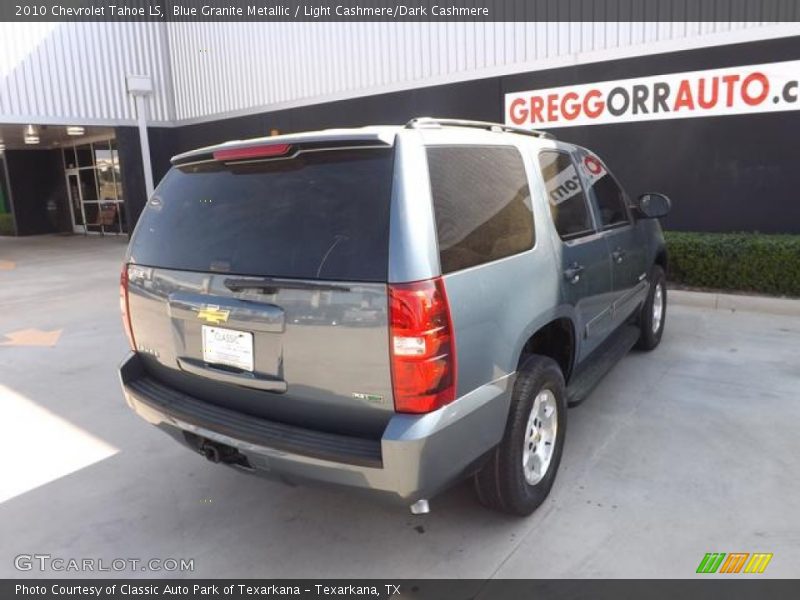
75	201
94	182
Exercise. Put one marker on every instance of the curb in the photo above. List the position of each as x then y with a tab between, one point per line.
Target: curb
733	302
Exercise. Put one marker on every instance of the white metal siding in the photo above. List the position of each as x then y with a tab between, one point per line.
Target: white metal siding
228	68
75	72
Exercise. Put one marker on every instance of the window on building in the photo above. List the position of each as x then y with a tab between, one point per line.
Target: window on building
565	195
84	155
482	204
70	160
95	187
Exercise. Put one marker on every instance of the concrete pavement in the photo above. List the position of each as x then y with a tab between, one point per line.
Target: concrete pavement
692	448
789	307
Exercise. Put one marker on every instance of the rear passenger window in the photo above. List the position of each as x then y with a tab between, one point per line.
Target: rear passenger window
565	195
482	204
611	200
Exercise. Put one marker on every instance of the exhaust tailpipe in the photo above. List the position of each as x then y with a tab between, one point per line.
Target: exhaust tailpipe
211	452
220	453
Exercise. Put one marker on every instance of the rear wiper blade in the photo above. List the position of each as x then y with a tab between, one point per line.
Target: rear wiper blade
271	286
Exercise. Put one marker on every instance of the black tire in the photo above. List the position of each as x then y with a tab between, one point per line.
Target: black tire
501	484
648	338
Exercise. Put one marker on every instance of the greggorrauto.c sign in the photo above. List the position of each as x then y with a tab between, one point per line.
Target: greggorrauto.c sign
771	87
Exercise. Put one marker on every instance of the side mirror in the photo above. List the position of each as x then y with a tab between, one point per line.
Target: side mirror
652	206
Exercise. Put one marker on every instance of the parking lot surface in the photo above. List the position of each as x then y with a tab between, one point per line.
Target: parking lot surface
690	449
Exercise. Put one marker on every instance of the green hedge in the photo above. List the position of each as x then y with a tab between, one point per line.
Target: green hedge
751	262
6	224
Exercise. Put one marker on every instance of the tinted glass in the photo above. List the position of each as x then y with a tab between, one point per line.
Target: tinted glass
105	171
84	154
567	201
611	200
69	157
482	204
88	184
324	215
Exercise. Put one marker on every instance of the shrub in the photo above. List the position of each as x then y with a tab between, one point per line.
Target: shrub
753	262
6	224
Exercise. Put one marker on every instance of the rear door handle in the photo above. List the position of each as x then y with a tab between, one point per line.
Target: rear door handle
618	255
573	273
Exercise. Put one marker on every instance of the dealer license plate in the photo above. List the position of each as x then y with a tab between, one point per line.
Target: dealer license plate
228	347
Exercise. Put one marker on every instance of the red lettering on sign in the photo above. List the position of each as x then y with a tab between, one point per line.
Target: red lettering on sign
593	165
552	107
517	111
729	81
537	104
570	107
747	97
701	93
684	98
597	108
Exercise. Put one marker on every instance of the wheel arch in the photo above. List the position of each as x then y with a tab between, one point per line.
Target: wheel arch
662	259
556	339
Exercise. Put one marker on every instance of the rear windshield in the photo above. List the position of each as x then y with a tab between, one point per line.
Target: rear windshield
323	215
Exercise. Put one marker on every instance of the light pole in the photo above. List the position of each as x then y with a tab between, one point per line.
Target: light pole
141	86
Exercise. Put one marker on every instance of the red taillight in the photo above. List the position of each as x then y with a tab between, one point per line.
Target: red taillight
123	306
422	346
262	151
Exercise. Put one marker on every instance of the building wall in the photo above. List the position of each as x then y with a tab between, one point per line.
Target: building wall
162	148
221	81
74	73
730	173
724	173
38	190
229	68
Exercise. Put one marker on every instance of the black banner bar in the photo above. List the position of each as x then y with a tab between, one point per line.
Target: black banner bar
400	10
705	587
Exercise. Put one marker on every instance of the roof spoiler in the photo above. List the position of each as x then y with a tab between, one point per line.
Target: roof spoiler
301	142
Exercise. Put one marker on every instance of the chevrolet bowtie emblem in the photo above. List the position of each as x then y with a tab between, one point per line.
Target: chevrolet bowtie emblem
213	315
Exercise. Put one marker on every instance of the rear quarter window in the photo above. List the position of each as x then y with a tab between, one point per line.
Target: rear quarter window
612	202
322	215
482	204
568	207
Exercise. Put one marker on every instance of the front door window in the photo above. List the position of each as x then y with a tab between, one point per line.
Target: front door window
583	254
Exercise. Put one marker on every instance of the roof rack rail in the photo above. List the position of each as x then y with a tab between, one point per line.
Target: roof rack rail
488	125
